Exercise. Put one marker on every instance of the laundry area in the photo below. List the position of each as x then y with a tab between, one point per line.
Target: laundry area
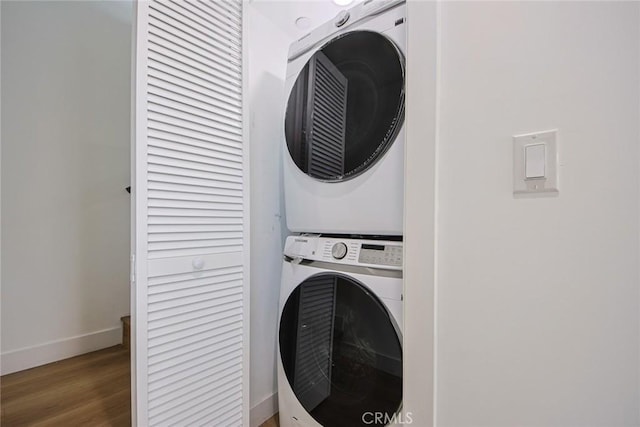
341	175
342	213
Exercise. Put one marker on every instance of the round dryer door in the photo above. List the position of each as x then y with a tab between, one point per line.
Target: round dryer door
341	352
346	106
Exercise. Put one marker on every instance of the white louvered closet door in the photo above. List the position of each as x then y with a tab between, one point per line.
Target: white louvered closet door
191	225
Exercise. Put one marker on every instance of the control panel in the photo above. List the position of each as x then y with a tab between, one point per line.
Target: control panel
368	253
380	254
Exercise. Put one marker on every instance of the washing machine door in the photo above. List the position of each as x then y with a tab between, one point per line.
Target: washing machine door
341	352
346	106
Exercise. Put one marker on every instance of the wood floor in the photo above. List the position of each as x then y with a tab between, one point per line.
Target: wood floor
271	422
88	390
91	390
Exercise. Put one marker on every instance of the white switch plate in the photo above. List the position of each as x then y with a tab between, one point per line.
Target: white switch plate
535	164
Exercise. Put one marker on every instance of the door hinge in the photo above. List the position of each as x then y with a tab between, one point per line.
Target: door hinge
132	273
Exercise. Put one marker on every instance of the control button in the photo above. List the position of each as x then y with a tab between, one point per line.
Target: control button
339	250
342	18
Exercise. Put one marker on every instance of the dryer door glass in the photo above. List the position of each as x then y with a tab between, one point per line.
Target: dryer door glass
341	352
346	106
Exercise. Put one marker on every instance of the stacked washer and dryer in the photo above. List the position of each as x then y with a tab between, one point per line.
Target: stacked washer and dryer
340	323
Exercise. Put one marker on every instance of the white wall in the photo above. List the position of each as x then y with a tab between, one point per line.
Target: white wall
538	299
65	164
268	47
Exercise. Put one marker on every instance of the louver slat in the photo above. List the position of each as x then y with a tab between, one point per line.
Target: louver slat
326	120
312	372
194	179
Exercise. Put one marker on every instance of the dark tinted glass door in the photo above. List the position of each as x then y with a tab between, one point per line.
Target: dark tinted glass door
340	352
346	106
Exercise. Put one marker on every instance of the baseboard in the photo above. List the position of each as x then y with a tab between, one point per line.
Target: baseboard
30	357
264	410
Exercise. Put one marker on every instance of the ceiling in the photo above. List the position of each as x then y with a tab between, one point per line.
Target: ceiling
284	13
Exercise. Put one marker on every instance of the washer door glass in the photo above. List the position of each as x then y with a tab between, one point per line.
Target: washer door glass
341	353
346	106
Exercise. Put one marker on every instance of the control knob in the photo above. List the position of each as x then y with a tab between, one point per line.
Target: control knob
339	250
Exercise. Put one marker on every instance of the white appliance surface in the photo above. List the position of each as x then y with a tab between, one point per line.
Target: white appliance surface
308	256
370	203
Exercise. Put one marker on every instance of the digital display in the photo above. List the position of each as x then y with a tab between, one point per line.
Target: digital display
373	247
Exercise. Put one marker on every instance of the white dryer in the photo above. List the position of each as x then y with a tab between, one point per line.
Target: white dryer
344	137
340	333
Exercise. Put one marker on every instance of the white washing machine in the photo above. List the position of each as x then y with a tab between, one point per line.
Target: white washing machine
344	124
340	333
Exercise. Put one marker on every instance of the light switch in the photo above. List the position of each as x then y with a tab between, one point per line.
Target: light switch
535	164
534	161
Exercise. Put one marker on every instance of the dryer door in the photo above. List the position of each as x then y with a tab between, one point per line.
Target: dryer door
346	106
341	352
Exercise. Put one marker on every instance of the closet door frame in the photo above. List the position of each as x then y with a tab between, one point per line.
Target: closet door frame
420	213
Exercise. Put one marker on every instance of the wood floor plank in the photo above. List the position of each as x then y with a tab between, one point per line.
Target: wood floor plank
92	389
18	384
271	422
60	378
113	410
